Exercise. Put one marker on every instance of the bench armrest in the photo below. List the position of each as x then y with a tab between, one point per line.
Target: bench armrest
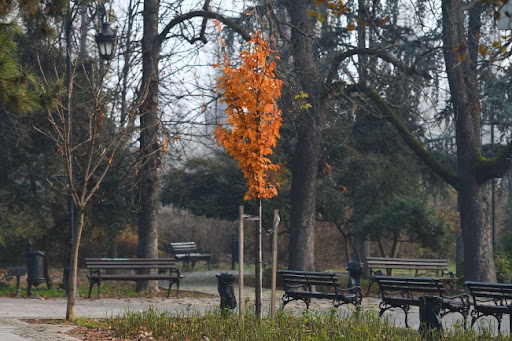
450	274
376	273
464	298
297	286
178	272
94	273
402	293
353	290
457	296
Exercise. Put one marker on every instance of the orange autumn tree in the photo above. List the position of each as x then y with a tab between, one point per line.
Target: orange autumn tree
250	92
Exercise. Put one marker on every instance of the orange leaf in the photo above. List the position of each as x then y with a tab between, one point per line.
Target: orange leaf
250	92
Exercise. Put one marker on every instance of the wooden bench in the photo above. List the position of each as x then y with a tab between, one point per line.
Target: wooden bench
189	253
403	292
490	299
305	285
420	266
129	268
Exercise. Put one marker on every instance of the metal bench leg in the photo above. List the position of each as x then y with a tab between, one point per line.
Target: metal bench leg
510	317
99	289
307	300
405	308
90	288
177	288
473	320
369	287
406	311
91	284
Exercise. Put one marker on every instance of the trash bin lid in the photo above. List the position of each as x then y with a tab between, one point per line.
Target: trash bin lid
225	275
353	265
35	253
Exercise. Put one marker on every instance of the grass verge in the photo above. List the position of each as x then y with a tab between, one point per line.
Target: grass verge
214	325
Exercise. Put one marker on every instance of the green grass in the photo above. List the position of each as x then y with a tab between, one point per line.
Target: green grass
213	325
108	289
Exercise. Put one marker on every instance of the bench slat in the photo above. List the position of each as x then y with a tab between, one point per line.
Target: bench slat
434	260
116	264
138	277
378	262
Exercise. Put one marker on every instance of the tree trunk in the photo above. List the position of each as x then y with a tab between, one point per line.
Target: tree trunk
149	147
460	54
307	152
73	266
303	202
112	247
476	232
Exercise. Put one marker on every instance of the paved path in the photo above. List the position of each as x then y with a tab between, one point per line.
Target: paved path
14	310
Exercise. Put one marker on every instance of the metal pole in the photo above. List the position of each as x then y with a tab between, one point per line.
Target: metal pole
241	262
233	251
493	194
65	280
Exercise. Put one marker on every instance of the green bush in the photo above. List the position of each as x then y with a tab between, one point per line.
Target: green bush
503	261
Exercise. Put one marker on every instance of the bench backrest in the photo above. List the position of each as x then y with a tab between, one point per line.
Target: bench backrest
130	263
425	264
394	286
406	263
482	292
295	278
183	247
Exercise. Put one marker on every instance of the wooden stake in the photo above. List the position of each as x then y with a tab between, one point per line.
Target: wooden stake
241	263
259	261
274	266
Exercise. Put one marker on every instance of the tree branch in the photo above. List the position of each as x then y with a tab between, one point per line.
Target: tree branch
417	147
204	14
382	54
494	168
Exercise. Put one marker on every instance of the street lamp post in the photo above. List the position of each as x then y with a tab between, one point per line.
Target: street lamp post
105	42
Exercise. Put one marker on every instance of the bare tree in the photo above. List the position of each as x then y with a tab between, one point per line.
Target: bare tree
90	155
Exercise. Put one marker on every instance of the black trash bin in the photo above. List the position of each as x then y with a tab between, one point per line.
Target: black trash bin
226	290
430	315
355	270
35	268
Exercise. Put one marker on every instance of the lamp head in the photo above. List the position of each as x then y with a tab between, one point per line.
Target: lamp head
105	41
